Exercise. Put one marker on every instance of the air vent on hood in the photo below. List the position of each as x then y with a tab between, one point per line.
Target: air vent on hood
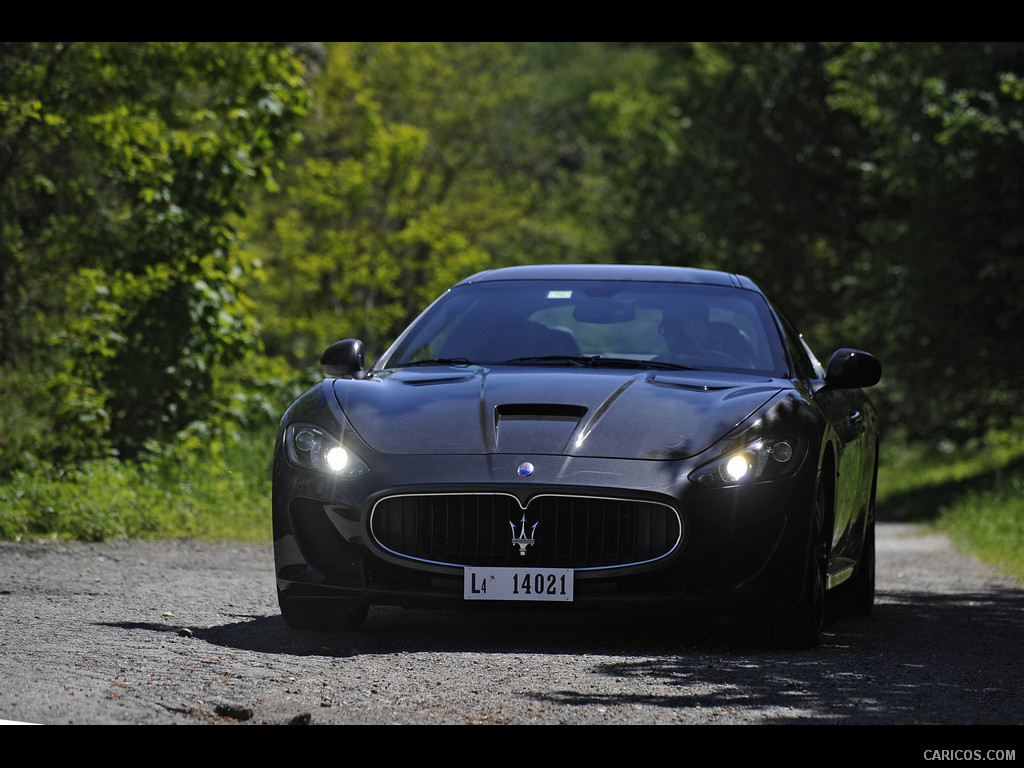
539	412
535	427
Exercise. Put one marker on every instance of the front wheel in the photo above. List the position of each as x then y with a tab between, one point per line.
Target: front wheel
803	628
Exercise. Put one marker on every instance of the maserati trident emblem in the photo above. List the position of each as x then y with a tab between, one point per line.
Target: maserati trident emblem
522	540
525	469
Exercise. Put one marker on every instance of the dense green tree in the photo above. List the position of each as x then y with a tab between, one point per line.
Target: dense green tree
419	168
945	128
871	187
733	158
120	167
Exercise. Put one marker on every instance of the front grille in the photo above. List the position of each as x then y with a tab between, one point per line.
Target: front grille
571	531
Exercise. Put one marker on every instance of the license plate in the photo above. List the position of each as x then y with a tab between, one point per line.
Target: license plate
518	584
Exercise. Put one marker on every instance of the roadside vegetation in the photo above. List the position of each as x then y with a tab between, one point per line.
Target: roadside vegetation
973	492
184	227
205	491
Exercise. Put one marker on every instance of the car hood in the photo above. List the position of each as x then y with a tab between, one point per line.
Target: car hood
587	413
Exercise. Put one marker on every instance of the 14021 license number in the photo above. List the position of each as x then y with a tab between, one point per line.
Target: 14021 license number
518	584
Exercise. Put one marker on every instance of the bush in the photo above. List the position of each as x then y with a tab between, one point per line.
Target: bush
210	490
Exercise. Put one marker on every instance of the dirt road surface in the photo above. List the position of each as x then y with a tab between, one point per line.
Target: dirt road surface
182	632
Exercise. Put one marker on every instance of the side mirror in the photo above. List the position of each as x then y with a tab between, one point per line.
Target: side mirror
851	368
344	359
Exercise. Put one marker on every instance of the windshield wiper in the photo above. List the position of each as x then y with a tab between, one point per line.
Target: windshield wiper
597	361
545	359
435	361
661	365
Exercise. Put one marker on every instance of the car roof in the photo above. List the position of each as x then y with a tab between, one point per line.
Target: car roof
641	273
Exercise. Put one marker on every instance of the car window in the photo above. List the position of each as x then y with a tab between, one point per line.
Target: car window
698	326
804	360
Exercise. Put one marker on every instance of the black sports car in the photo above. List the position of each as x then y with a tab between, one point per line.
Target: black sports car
649	438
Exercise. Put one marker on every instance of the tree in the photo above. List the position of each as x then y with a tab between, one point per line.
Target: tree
945	123
871	187
121	165
419	168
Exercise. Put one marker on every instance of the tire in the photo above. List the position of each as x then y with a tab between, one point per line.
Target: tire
323	618
803	628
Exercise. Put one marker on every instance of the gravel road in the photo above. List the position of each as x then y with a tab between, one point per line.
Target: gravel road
187	632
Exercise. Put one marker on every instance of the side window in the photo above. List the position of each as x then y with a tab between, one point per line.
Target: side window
807	365
819	371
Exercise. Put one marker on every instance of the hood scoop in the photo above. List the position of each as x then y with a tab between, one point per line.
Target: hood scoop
536	427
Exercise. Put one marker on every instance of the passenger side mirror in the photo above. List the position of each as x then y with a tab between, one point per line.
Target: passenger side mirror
344	359
852	368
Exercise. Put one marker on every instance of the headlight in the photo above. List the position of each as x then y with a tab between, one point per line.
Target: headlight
760	461
311	447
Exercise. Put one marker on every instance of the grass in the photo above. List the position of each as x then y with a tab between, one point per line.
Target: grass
990	524
974	493
213	492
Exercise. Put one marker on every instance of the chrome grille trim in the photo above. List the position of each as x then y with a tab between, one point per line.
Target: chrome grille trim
590	532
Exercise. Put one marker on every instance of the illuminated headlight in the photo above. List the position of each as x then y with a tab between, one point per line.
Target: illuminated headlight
736	468
757	462
311	447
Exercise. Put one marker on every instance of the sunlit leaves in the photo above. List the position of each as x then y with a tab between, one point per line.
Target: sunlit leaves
123	165
416	173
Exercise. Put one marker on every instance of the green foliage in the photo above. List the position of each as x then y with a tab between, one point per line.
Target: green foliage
990	524
23	421
419	169
200	488
971	491
944	129
121	164
868	186
910	470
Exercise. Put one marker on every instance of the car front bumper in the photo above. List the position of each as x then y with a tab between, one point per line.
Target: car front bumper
741	551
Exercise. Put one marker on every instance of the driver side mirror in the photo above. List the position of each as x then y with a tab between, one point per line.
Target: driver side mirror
344	359
851	369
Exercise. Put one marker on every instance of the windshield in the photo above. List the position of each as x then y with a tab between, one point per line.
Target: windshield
595	323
